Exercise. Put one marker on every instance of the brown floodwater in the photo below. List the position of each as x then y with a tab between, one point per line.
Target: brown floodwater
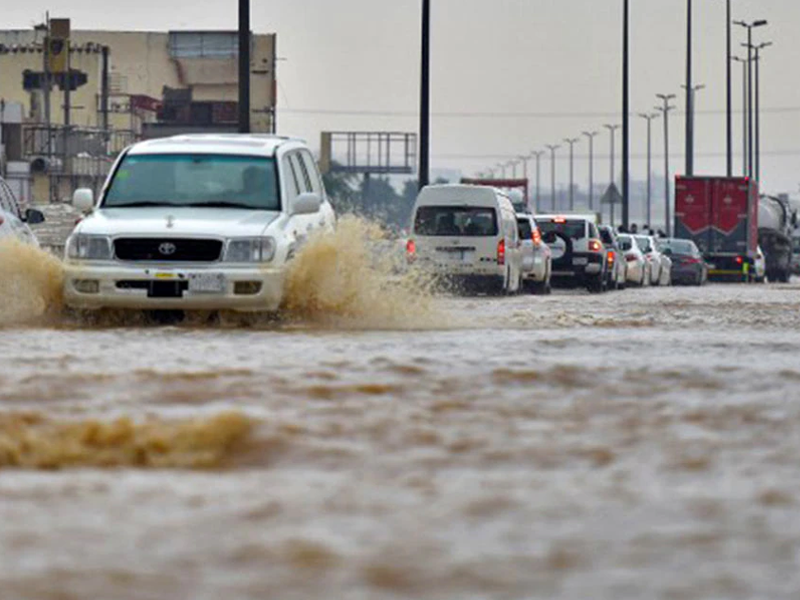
377	442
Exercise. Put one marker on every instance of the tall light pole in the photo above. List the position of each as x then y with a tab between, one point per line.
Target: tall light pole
244	66
729	92
572	142
649	118
425	98
689	98
750	27
626	119
502	167
757	58
611	130
744	113
537	154
553	148
590	136
690	118
665	98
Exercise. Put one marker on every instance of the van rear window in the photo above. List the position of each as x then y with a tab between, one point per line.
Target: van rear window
574	229
461	221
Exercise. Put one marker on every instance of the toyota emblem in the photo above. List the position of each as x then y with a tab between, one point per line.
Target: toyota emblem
167	249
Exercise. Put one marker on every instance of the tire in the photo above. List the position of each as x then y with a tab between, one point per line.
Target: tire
597	285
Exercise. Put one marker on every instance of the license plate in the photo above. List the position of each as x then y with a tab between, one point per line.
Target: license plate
580	261
207	283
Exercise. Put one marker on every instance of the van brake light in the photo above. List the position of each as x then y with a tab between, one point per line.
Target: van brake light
501	252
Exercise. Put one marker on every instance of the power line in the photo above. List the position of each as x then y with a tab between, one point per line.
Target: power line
503	115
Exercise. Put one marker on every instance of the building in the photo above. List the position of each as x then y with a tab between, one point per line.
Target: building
127	85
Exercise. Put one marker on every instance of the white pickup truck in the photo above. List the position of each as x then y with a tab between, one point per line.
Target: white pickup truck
196	222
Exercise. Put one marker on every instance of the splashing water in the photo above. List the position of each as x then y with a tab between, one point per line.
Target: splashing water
354	277
30	283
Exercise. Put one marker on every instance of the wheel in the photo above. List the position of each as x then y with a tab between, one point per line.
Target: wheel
597	285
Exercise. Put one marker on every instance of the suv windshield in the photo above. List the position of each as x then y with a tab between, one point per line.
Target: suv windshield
462	221
574	229
195	180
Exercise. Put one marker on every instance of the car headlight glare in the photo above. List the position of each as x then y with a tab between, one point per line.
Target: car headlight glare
250	250
89	247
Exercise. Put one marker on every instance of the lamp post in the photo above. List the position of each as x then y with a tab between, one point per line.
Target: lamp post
537	154
665	98
689	94
649	118
590	135
626	120
553	148
572	142
244	66
690	117
750	27
757	58
612	130
729	93
744	112
425	97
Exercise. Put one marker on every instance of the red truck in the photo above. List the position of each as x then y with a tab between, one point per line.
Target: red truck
720	214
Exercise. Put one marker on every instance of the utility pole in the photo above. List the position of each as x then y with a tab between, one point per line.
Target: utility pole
749	45
553	149
244	66
689	88
729	95
626	119
425	97
572	142
665	109
649	118
591	135
612	131
744	113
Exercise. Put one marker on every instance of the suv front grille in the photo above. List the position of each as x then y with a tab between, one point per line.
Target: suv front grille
167	249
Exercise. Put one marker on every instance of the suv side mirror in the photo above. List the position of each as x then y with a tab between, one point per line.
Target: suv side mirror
306	204
83	199
34	216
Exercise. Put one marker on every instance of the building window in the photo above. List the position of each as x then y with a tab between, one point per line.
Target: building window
203	44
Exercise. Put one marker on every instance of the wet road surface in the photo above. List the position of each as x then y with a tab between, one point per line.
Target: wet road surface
641	444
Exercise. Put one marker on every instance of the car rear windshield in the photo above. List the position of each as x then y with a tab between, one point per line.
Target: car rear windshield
525	229
606	236
625	243
462	221
195	180
643	243
679	247
574	229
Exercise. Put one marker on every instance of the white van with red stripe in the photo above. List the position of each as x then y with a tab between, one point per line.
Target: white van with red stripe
467	235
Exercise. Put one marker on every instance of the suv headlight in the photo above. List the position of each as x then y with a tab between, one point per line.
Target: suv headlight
89	247
250	250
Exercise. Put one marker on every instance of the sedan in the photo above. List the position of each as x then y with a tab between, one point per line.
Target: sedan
638	268
688	266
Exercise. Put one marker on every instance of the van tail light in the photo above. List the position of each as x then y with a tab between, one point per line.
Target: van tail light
411	250
501	252
537	237
595	246
612	256
631	257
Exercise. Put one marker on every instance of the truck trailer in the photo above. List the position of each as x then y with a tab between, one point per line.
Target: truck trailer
720	214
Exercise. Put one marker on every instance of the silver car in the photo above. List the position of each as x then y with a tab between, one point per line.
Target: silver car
13	221
537	263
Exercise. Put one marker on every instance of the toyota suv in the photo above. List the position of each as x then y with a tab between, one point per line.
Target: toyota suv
578	254
196	222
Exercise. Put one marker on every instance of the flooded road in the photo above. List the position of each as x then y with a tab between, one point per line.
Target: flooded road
634	445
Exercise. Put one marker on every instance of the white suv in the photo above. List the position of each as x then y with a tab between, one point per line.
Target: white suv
196	222
578	254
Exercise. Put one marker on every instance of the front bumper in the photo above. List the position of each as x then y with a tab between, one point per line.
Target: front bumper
167	287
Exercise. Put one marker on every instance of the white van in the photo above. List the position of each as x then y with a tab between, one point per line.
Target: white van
468	235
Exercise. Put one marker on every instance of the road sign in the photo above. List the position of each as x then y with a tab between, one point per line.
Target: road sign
612	196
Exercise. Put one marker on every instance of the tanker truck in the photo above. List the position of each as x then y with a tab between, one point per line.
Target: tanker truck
776	224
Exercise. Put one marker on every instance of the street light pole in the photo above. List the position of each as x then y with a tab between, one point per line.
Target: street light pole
244	66
553	149
649	118
626	128
572	142
425	97
665	98
591	135
537	155
689	98
758	50
749	27
611	129
729	94
744	113
691	116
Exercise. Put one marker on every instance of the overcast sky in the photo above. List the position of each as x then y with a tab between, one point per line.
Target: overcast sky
558	61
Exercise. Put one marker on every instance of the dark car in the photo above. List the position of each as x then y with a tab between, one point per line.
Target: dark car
688	265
